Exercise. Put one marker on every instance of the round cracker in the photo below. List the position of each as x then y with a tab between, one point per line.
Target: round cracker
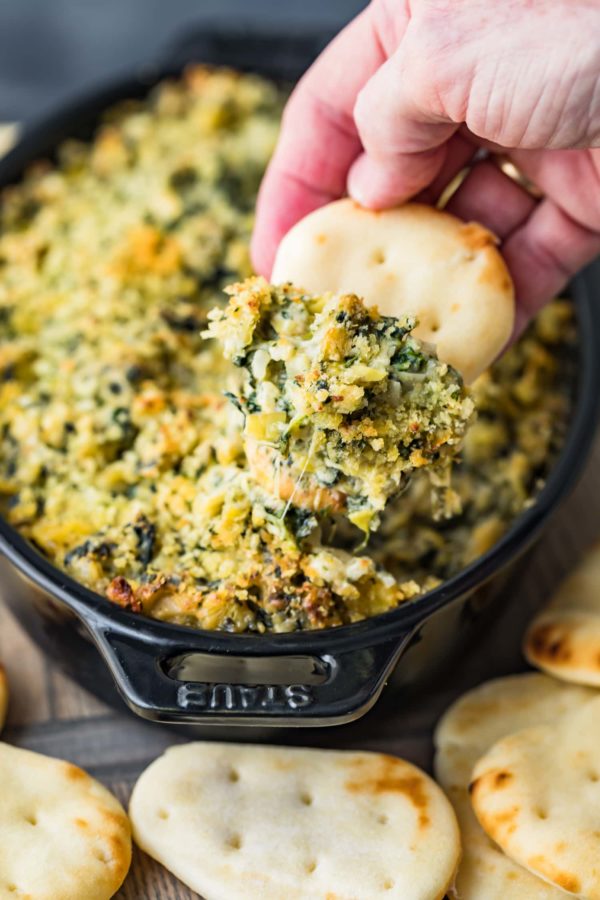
536	793
247	822
493	710
412	260
467	730
3	696
564	639
485	872
62	834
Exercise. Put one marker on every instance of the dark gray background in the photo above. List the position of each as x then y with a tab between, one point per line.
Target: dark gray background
50	49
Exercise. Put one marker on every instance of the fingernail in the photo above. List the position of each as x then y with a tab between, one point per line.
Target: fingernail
359	183
374	184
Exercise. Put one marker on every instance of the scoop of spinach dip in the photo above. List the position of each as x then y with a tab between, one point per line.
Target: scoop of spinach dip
341	404
121	458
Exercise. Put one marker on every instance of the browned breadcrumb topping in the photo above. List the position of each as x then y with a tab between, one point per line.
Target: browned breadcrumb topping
121	458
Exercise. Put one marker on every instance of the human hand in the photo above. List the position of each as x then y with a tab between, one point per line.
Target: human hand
411	90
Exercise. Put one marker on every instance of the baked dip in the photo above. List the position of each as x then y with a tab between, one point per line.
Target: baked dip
340	403
123	457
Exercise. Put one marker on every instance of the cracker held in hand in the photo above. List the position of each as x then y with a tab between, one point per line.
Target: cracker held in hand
467	730
3	696
63	836
242	822
537	794
413	260
564	639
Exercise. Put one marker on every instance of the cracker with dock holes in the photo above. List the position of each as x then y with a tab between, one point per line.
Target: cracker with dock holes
63	836
412	260
240	822
467	730
536	793
564	638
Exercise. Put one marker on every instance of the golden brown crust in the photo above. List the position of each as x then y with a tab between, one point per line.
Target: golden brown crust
549	870
387	774
475	237
564	638
566	646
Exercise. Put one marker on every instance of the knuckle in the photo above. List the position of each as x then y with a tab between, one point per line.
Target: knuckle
371	117
362	111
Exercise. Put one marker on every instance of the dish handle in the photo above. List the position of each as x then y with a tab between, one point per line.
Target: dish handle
196	683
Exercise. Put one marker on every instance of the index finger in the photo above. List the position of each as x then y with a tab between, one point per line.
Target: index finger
318	140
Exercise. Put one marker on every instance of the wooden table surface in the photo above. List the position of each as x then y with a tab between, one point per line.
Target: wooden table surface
50	714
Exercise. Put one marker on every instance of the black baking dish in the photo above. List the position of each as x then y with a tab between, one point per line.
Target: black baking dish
173	674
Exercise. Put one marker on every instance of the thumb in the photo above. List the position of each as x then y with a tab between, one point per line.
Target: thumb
403	136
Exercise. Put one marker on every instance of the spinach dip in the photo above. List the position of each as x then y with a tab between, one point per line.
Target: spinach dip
341	404
122	456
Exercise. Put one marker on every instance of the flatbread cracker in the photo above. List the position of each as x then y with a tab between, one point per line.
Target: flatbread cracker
537	794
241	822
412	260
564	639
466	731
62	834
3	696
493	710
485	872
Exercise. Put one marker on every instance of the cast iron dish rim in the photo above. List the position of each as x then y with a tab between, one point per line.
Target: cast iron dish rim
88	604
